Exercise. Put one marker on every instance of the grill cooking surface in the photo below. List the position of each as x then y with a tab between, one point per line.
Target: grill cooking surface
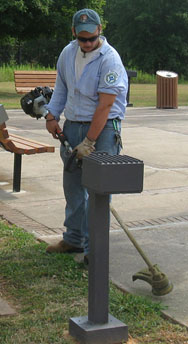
106	159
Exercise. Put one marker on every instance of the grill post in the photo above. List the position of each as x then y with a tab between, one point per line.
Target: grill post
103	175
98	258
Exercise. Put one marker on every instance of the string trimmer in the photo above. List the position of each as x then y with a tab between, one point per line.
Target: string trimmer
157	279
33	103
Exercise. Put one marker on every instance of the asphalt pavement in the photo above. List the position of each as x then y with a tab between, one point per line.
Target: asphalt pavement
157	217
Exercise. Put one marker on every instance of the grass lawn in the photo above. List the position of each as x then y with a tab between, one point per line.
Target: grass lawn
141	95
8	96
46	290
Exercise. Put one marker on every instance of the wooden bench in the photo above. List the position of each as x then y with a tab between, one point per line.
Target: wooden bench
19	145
25	81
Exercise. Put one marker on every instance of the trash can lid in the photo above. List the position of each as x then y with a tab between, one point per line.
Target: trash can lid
166	74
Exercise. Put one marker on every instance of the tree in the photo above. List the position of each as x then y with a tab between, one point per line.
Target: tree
40	28
23	18
150	35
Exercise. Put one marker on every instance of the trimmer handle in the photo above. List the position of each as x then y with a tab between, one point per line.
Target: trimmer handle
69	165
61	137
72	163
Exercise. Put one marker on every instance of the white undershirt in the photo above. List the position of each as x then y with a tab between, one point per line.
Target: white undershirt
82	59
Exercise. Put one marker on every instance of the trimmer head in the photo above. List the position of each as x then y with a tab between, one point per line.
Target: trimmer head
157	279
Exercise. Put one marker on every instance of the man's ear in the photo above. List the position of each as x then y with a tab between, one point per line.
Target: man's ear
73	32
100	29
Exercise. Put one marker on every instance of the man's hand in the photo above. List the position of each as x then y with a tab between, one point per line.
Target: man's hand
84	148
52	125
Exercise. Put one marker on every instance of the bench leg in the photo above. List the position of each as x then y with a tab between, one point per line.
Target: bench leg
17	172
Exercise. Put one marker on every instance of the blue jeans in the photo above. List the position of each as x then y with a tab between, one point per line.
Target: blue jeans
76	211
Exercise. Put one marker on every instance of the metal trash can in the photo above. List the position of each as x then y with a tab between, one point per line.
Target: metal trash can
167	90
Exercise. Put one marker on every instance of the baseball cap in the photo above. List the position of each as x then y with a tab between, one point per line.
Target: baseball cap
86	20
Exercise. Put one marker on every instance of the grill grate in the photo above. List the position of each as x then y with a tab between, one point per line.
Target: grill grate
103	158
104	173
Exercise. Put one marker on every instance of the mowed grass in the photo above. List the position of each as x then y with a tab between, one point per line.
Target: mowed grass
46	290
141	95
8	96
144	95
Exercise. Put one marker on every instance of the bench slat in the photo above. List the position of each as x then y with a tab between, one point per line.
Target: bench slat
19	146
34	83
25	81
37	143
10	146
36	76
20	143
19	72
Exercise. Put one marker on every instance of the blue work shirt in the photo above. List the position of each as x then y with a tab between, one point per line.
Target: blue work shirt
105	73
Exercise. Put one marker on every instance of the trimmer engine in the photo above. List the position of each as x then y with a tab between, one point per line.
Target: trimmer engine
33	102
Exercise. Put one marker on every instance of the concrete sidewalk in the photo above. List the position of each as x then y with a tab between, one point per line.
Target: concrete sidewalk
158	217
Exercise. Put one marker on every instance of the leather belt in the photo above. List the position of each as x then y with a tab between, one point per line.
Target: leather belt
88	122
80	122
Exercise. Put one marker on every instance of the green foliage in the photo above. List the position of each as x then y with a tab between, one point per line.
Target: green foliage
36	31
143	78
139	310
23	18
151	35
7	72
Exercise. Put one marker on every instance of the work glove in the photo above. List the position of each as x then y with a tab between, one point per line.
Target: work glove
84	148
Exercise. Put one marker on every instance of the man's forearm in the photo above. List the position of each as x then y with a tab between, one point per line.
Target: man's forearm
49	117
100	116
98	122
52	125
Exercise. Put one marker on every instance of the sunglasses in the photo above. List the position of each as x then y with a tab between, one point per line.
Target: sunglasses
84	40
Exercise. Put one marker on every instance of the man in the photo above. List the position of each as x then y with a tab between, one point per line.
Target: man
91	88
